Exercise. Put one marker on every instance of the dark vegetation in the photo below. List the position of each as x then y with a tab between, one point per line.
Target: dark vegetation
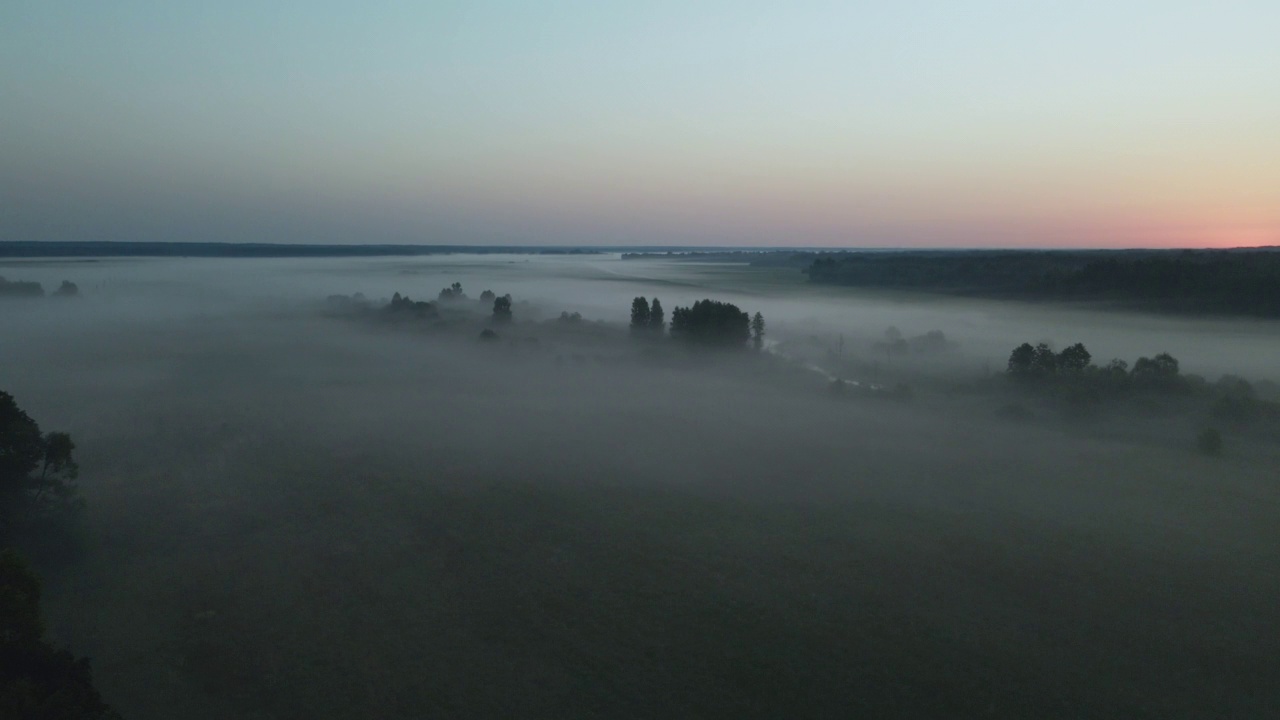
711	323
17	288
1245	282
37	680
706	324
37	475
1154	382
37	249
38	498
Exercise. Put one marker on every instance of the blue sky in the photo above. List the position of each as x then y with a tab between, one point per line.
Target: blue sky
885	124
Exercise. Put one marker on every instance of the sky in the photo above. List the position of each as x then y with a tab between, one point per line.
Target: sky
919	123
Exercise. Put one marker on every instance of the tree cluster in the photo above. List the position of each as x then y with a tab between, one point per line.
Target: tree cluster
1040	362
707	322
18	288
402	307
647	317
453	292
712	323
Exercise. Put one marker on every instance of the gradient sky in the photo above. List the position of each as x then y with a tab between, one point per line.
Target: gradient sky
913	123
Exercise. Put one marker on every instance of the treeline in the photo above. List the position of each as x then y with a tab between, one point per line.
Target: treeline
709	323
1224	281
99	248
402	307
1070	373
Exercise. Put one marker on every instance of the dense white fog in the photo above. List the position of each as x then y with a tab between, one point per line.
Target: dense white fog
601	287
292	513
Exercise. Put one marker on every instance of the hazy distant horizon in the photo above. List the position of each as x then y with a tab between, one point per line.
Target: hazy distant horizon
17	249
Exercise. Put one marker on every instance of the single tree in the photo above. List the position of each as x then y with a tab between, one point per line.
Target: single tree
502	309
639	314
1075	358
1045	361
657	320
487	296
1021	360
757	331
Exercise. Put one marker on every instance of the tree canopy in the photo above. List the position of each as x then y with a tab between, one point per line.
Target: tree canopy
657	319
502	309
639	314
711	323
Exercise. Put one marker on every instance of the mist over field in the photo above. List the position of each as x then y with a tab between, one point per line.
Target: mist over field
297	512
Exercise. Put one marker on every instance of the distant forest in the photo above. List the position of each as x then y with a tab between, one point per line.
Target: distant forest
1238	281
36	249
1214	281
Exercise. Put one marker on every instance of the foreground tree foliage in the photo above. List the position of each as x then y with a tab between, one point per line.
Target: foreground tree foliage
37	472
37	681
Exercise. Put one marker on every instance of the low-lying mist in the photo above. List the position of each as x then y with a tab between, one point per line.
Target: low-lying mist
292	512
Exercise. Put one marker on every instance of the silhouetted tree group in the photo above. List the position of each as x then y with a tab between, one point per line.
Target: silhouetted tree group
646	317
712	323
18	288
1042	361
402	307
707	322
453	292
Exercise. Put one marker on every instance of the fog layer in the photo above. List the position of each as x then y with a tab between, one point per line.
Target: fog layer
296	515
